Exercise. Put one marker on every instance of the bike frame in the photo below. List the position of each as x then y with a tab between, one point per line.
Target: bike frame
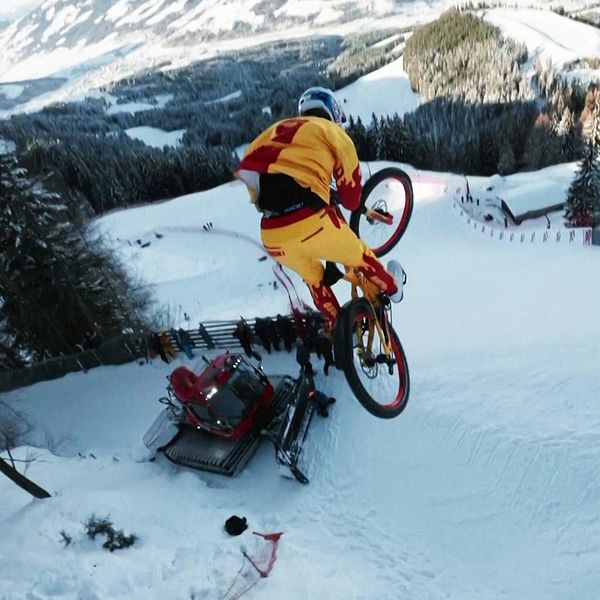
370	292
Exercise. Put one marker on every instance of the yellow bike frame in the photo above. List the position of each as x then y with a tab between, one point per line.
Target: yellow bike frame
370	292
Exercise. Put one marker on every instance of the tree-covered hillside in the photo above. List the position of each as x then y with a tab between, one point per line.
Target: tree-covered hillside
482	115
461	56
220	103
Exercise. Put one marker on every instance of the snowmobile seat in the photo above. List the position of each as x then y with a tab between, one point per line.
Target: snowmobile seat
185	384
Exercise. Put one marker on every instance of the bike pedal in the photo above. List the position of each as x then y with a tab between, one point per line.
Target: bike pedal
368	360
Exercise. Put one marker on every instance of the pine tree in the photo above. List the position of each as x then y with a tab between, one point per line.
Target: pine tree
506	162
60	292
583	199
364	139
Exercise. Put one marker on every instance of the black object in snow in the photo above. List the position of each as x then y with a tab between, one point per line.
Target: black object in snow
236	525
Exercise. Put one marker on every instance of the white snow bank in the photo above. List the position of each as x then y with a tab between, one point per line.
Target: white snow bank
385	91
7	147
492	466
227	98
153	136
548	35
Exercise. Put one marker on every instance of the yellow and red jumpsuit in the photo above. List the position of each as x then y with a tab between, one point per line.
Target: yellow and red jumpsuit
311	150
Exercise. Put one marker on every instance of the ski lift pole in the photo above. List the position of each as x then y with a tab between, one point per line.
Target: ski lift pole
22	481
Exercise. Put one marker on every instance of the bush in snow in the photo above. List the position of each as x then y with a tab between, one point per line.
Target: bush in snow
115	540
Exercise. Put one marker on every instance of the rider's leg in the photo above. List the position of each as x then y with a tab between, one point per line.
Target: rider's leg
338	243
325	301
289	245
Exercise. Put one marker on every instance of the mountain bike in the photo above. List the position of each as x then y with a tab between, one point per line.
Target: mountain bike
366	346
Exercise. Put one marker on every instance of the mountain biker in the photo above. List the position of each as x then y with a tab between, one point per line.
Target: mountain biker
288	170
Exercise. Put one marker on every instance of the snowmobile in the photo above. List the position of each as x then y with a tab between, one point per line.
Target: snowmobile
216	420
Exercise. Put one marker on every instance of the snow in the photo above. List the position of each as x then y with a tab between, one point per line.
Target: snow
130	107
554	39
485	487
533	197
171	8
523	192
60	21
216	16
145	11
11	91
227	98
303	8
386	91
387	41
153	136
546	34
126	51
65	62
328	15
118	10
6	146
13	9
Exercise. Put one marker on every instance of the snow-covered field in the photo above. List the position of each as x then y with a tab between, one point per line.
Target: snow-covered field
550	37
386	91
485	487
13	9
153	136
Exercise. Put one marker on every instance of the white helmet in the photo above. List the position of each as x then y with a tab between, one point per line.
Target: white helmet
320	98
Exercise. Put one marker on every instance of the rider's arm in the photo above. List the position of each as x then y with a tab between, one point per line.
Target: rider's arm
252	181
347	169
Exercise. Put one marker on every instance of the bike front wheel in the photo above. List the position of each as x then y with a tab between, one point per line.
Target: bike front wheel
385	210
379	380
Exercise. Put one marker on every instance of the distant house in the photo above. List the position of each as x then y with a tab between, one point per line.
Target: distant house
531	200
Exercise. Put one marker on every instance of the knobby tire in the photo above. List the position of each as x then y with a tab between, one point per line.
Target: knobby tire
345	353
358	219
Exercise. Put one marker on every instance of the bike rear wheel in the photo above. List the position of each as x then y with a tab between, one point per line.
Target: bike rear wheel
389	191
381	384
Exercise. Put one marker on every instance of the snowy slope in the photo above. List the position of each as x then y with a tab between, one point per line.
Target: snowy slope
153	136
486	487
95	42
553	39
385	91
